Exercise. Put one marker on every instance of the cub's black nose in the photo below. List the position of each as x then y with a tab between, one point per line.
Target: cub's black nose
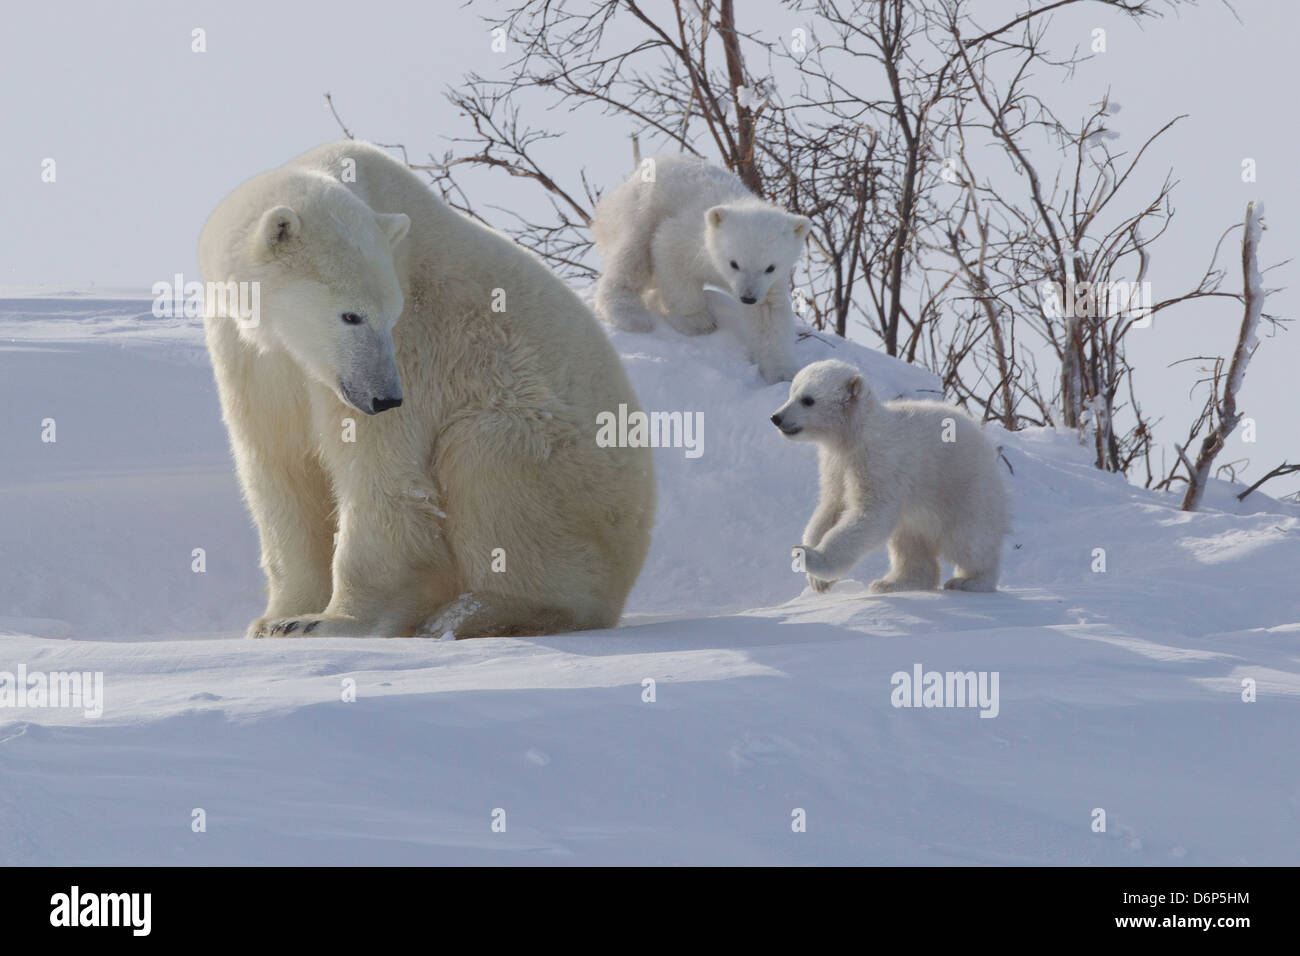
748	299
384	404
776	419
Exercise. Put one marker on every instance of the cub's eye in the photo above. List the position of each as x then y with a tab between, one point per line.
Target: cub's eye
733	264
770	269
807	400
351	318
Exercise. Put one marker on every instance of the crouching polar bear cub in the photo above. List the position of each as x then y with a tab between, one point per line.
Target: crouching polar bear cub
478	502
920	475
680	223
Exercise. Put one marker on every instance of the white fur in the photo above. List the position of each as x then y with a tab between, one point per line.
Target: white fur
492	447
662	241
887	474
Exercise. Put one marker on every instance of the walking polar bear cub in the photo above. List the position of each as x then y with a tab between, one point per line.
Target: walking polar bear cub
920	475
680	223
471	495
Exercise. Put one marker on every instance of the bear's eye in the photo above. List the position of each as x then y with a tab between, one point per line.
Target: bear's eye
807	400
770	269
351	318
733	264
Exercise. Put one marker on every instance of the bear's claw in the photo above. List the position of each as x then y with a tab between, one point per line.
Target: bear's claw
282	627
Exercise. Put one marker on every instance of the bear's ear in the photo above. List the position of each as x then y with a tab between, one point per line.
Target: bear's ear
714	216
278	225
854	388
801	226
395	225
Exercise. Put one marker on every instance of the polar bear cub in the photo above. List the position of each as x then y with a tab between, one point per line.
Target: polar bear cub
680	223
920	475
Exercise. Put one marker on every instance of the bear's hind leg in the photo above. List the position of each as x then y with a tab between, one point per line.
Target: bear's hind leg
913	565
964	579
483	614
976	555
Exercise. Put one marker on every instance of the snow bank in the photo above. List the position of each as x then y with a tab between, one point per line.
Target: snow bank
1120	688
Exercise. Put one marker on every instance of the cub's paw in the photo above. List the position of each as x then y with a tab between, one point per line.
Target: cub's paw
775	360
695	323
883	586
304	625
630	318
699	323
819	585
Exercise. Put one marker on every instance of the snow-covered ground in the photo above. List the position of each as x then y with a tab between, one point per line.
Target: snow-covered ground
1119	690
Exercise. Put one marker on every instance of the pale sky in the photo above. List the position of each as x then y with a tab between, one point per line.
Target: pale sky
148	136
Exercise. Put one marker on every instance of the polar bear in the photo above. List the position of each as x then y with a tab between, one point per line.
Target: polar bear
413	410
680	223
920	475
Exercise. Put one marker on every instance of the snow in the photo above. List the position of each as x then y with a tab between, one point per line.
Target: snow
1119	690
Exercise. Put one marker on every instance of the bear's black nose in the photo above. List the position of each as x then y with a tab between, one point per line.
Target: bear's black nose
384	404
776	419
748	299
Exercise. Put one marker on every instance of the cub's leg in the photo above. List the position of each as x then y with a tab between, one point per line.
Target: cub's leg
772	337
681	291
686	309
626	275
828	512
976	554
854	534
913	565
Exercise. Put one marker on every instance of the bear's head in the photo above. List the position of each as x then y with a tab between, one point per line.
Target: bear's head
329	290
825	398
753	245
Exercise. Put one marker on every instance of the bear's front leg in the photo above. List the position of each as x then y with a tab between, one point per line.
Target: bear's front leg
803	552
296	532
855	534
773	337
828	512
823	519
819	585
384	578
622	307
686	309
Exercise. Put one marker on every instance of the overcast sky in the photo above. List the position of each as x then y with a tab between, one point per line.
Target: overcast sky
148	136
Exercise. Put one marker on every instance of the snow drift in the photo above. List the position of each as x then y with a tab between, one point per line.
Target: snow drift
1120	689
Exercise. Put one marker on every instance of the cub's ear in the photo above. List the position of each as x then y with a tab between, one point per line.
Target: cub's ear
715	216
855	388
395	225
802	224
278	226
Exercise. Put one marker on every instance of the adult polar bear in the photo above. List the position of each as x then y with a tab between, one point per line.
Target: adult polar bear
680	223
480	503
